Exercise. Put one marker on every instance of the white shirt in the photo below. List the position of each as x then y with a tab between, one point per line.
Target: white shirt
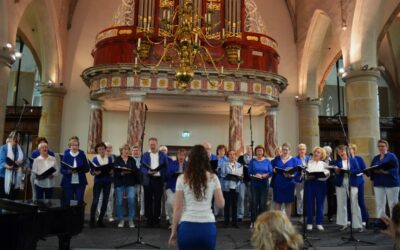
39	166
194	210
345	165
318	166
154	162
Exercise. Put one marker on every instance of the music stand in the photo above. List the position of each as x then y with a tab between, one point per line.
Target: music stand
139	243
350	239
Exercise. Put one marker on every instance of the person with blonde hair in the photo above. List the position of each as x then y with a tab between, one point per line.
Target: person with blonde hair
315	189
273	230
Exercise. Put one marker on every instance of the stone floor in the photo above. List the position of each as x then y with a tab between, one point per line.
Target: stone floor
228	238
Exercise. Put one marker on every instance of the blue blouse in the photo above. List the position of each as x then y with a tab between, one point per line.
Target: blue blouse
278	179
386	180
260	167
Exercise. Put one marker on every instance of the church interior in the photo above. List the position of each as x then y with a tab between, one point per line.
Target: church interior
187	72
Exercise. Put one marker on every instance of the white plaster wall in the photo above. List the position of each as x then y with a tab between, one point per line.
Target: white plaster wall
277	19
90	17
168	128
93	16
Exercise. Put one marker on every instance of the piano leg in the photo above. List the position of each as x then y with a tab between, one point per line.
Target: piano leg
64	242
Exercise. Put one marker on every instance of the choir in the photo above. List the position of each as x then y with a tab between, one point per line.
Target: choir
245	180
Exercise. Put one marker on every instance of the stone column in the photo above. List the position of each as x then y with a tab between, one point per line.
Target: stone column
363	119
136	118
236	124
271	131
51	119
309	122
95	125
5	64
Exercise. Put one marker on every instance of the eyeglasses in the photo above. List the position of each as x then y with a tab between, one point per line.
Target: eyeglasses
381	146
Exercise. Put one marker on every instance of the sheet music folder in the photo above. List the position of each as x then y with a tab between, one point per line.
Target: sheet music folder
46	173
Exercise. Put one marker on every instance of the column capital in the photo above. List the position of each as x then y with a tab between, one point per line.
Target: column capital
236	100
308	101
362	75
271	111
6	56
95	104
136	96
52	91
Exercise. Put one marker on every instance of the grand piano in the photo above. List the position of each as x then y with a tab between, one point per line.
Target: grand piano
24	223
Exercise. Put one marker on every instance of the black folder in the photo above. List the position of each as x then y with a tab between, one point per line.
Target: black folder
254	177
385	166
105	169
290	170
156	169
316	174
46	173
69	167
11	163
233	177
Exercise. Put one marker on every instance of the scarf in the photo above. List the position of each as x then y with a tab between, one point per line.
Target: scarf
102	161
75	176
13	177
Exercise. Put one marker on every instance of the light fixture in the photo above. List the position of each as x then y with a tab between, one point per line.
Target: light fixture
185	46
344	26
186	134
341	70
9	45
18	54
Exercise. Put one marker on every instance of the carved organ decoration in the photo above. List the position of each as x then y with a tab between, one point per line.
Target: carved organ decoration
253	20
125	14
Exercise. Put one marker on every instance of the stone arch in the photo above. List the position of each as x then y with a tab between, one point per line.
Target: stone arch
365	31
317	36
48	44
3	23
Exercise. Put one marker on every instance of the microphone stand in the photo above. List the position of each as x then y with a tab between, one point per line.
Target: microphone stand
350	239
247	242
139	243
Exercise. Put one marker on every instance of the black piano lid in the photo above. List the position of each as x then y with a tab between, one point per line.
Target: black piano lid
36	206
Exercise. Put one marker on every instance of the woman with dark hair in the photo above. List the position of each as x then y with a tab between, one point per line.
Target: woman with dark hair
194	192
102	183
385	178
260	170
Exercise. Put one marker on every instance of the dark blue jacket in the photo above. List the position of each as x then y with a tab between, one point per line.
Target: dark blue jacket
162	159
170	175
362	166
102	178
82	166
354	170
386	180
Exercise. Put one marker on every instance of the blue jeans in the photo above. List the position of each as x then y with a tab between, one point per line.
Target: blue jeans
130	192
258	200
197	236
43	193
240	204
